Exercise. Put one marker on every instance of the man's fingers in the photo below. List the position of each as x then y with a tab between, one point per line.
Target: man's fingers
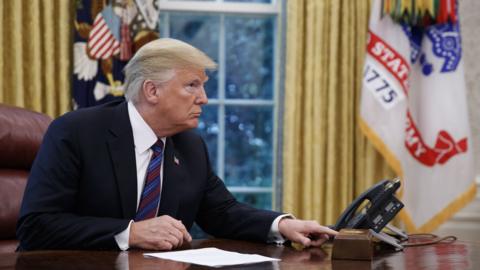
184	232
327	230
313	240
164	245
179	225
305	241
318	241
173	240
314	227
175	232
187	237
305	232
181	238
301	239
161	233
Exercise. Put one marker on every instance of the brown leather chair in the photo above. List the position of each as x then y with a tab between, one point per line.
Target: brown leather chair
21	132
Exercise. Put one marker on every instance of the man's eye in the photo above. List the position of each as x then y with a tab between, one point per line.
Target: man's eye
190	87
192	84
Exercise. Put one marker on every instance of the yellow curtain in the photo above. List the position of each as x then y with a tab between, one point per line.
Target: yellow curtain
35	54
326	159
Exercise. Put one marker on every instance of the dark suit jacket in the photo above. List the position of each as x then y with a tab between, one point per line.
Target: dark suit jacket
82	189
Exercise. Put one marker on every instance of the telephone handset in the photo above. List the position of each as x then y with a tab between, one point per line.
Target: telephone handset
373	209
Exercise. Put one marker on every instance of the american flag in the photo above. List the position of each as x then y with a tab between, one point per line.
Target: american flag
106	34
103	40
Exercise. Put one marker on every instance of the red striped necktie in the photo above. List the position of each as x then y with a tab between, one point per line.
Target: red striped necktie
150	198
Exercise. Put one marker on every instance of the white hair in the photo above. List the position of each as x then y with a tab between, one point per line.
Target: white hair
158	60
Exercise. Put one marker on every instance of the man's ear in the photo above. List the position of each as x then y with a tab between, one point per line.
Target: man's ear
150	91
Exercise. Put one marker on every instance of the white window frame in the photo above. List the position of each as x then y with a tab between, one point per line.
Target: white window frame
219	6
256	9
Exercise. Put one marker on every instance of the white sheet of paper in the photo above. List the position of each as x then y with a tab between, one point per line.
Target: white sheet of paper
213	257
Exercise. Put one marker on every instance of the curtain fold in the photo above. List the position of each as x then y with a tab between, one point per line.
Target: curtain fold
35	54
326	159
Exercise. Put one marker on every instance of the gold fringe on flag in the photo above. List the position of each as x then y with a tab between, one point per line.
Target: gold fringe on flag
420	12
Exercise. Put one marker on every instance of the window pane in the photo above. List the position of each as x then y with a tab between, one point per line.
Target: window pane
259	200
201	31
248	146
249	57
208	129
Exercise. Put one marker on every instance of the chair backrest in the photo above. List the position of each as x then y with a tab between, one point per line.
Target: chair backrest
21	132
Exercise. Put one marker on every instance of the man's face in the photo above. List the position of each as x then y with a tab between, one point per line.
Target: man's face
181	98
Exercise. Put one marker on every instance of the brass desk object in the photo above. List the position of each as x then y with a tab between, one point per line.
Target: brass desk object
353	244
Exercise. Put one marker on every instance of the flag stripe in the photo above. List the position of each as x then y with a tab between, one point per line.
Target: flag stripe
98	31
106	48
102	46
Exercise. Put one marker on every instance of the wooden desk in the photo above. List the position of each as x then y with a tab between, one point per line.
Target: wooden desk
458	255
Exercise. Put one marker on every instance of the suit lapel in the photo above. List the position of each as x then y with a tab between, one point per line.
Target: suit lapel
173	181
122	153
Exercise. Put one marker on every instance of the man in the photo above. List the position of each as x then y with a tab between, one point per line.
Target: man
131	175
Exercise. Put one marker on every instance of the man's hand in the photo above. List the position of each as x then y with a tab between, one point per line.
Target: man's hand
306	232
160	233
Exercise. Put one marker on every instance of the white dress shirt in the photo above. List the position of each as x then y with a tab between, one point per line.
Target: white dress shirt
143	139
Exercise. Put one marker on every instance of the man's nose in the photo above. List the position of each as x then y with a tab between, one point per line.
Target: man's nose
202	98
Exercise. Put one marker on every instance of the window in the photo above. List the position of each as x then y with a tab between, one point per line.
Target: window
239	124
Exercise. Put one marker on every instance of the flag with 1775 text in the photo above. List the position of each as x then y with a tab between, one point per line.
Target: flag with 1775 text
414	111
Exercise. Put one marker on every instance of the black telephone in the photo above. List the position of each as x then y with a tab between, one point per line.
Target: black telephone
373	209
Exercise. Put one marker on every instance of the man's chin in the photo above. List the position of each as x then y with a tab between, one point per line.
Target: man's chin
192	124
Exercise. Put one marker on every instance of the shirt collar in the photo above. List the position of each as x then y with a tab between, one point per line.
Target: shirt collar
143	135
